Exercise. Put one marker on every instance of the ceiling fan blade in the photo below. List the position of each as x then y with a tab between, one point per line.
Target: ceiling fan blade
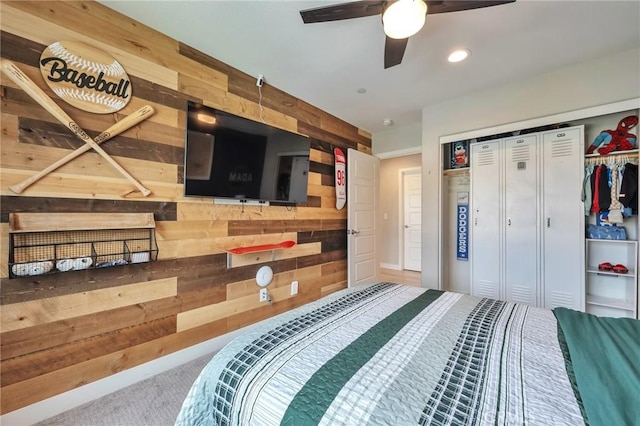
337	12
394	51
444	6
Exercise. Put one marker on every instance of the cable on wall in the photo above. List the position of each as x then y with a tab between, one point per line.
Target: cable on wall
259	83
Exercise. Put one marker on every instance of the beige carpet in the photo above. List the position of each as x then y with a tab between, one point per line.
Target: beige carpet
153	402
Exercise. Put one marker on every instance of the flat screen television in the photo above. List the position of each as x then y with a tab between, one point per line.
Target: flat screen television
227	156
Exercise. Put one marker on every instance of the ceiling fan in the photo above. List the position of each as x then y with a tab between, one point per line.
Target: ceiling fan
400	18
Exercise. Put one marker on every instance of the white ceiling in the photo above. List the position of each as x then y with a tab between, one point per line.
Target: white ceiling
325	63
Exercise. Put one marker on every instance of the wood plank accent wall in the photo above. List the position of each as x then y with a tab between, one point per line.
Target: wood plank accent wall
61	331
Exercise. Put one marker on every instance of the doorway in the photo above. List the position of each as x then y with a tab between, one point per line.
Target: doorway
362	205
411	225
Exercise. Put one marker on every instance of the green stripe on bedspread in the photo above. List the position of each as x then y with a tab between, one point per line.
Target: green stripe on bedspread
456	398
605	355
306	407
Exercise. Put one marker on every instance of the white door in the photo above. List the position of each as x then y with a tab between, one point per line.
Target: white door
412	227
299	178
362	204
521	254
486	231
563	218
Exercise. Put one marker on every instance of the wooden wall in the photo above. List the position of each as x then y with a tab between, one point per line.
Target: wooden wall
61	331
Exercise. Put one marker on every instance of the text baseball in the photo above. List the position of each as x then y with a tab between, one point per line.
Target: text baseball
60	71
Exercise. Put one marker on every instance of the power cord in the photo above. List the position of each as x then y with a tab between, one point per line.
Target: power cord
260	104
259	83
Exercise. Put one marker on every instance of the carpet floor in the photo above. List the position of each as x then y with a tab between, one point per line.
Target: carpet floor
155	401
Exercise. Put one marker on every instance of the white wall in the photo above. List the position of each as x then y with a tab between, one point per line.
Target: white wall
456	273
397	141
388	232
597	82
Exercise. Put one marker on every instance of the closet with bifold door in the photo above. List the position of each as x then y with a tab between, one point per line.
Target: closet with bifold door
527	235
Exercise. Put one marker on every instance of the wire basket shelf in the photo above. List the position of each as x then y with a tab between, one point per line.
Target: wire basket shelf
50	252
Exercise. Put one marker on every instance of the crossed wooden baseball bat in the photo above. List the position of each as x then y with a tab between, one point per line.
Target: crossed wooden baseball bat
26	84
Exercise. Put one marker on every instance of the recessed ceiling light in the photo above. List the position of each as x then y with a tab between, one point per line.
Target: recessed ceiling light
459	55
361	90
387	122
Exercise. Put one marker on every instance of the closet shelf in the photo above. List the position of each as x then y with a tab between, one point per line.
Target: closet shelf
608	289
455	172
630	153
592	269
602	240
610	302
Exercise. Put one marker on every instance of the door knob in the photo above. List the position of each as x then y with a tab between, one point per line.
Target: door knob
407	226
354	232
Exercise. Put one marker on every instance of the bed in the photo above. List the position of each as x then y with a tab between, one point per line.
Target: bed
388	354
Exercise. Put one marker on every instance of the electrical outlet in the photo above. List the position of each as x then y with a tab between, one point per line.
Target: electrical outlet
264	295
294	288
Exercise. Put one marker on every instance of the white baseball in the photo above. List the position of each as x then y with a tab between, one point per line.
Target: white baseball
64	265
82	263
140	257
33	268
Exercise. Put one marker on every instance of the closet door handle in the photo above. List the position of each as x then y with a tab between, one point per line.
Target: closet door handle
508	221
548	222
475	221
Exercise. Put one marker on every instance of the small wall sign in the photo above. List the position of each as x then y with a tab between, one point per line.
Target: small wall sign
85	77
462	227
341	178
459	154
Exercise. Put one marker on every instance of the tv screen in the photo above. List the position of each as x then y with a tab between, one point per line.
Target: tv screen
227	156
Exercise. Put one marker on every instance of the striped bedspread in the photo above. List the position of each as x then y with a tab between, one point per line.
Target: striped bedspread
388	354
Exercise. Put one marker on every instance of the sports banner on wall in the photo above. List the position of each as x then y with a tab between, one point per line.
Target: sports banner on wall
341	178
462	227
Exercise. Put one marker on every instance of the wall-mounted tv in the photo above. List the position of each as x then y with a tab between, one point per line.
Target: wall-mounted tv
227	156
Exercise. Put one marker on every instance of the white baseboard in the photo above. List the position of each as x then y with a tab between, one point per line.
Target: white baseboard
390	266
71	399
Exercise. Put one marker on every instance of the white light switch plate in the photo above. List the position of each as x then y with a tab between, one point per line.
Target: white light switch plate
294	288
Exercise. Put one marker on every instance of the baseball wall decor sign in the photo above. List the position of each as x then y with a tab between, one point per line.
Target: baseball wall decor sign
341	178
85	77
37	94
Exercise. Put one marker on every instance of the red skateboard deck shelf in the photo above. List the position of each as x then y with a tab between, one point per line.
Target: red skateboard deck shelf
257	249
263	247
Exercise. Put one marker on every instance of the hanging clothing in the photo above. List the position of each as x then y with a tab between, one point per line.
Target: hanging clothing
629	187
604	189
620	172
586	189
615	212
601	190
595	207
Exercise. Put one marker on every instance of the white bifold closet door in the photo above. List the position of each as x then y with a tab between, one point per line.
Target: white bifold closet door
563	216
527	239
521	224
486	205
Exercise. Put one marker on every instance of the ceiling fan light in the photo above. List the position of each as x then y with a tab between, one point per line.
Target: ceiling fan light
404	18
